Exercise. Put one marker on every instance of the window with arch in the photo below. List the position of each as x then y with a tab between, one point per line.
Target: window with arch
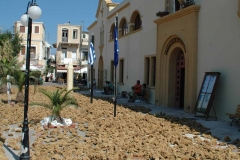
124	27
138	22
64	35
111	33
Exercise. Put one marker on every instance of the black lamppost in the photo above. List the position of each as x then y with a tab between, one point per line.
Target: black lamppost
33	12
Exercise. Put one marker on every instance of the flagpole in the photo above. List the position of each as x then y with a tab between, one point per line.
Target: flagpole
115	90
91	99
115	63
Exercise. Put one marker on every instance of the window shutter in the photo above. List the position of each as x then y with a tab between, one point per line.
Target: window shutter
23	50
22	29
36	29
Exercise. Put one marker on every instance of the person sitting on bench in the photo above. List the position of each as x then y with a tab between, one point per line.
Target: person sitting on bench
137	88
108	87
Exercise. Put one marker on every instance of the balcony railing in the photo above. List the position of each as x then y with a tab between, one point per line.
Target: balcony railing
66	61
84	62
64	39
75	60
32	56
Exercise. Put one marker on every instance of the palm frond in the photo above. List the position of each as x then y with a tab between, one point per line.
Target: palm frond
49	106
47	93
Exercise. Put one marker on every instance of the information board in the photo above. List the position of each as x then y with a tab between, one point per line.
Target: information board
207	93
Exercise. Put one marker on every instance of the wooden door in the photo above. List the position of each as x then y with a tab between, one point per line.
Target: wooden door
180	76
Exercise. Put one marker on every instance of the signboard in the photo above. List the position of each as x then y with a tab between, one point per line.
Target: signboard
206	93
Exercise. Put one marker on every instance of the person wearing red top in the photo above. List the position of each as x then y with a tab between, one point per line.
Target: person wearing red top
136	91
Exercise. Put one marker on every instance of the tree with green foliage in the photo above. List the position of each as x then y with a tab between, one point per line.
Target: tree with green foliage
59	99
10	45
19	81
49	68
7	67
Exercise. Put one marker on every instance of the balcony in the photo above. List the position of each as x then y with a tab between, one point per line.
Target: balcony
84	42
65	61
85	62
65	39
33	56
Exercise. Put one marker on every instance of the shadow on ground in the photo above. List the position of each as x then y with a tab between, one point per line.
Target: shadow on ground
11	152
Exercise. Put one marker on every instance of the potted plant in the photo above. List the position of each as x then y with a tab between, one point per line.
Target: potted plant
162	13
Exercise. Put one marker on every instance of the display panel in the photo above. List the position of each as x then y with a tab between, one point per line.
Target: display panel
206	93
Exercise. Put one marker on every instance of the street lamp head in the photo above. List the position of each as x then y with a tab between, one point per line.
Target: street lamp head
24	20
34	12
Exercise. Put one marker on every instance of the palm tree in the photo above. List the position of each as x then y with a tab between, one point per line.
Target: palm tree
59	99
19	81
7	67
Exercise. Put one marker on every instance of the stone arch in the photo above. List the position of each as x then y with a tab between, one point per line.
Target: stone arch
123	27
111	32
168	57
175	75
136	16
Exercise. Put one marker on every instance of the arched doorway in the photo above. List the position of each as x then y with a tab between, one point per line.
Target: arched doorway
180	80
176	77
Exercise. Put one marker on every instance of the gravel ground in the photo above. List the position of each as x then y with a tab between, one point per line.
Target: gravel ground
135	133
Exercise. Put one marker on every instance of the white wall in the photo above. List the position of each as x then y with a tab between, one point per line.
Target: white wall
132	47
219	46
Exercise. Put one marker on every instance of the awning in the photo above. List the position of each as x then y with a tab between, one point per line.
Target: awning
32	68
84	70
61	71
65	71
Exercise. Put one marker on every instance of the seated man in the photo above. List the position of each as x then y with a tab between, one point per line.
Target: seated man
136	91
108	87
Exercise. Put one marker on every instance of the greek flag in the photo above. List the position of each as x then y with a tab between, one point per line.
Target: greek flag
91	54
116	51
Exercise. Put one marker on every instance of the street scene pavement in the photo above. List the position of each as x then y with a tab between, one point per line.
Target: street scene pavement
218	128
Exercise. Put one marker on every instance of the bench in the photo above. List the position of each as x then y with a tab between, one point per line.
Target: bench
235	117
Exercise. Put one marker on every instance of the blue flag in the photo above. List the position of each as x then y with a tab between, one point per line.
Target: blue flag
91	54
116	51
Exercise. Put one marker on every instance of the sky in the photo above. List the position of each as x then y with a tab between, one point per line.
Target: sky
54	12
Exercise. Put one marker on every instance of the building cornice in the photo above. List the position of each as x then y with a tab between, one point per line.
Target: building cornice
117	11
178	14
93	24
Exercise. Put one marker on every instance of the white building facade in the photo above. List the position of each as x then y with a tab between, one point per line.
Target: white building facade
68	48
171	49
40	49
